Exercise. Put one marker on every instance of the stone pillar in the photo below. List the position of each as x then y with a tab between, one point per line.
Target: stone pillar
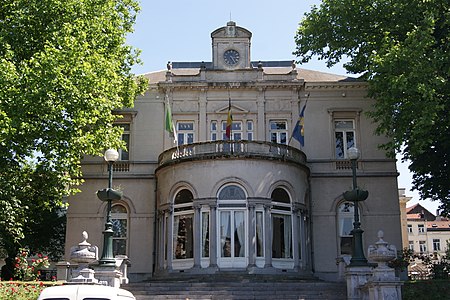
261	125
197	237
356	277
295	238
213	236
251	236
267	236
161	238
169	237
203	126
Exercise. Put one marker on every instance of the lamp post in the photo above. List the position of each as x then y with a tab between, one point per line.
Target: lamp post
108	195
356	195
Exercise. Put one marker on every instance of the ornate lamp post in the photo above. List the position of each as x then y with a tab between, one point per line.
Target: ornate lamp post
109	194
356	195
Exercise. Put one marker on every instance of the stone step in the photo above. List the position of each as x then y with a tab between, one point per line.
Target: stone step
215	287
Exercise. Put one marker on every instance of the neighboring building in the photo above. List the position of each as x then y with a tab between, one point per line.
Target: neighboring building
260	203
427	234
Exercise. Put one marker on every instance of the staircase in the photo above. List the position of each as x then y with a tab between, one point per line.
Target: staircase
238	287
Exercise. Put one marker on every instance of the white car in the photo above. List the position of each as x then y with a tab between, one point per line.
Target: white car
85	292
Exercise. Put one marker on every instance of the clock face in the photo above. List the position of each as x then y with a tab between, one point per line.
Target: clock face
231	57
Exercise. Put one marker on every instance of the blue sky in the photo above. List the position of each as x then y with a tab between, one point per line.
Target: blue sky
180	30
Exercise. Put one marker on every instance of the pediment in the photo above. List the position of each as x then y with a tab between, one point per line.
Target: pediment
234	109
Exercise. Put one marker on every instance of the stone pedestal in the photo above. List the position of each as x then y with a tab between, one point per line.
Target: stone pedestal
108	275
383	284
356	277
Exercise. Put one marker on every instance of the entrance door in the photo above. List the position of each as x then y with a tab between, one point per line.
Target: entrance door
232	252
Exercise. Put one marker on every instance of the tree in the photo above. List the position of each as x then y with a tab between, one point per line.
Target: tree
64	69
402	49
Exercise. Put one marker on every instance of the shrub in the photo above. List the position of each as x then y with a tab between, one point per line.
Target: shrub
13	290
29	272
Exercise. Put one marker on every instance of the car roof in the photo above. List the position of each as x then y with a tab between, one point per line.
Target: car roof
82	291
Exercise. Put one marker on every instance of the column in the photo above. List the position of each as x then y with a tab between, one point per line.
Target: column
251	235
261	126
197	236
161	234
169	237
296	236
267	237
202	124
213	236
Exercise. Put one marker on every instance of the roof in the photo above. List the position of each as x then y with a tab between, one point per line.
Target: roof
81	291
418	212
303	74
269	67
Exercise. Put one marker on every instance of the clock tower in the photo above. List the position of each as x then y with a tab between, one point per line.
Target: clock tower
231	47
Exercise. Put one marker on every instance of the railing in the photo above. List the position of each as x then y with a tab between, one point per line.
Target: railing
217	149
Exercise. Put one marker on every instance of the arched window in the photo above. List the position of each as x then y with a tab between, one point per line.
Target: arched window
119	219
281	224
183	222
345	217
232	192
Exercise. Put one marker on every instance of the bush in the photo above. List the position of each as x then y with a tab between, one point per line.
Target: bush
426	289
29	272
14	290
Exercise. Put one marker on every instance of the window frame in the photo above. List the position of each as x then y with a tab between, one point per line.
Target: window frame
278	132
121	216
183	135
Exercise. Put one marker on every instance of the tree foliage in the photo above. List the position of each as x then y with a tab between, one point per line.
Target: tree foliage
64	69
402	49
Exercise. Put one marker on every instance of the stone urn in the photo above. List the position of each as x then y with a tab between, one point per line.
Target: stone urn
84	254
382	253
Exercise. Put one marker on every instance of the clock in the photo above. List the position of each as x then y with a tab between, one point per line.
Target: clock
231	57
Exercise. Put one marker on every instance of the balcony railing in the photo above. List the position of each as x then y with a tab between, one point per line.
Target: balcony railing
217	149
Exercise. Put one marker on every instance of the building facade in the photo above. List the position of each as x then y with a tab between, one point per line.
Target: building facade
227	187
428	234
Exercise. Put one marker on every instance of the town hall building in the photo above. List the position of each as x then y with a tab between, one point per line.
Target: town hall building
225	186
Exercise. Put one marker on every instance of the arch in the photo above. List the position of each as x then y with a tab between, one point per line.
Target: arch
183	196
232	180
126	201
181	185
232	192
281	195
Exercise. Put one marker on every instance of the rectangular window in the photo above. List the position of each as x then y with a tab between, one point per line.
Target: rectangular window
410	229
213	130
422	247
421	228
236	130
436	245
185	131
411	245
278	132
344	134
124	154
183	235
249	130
281	236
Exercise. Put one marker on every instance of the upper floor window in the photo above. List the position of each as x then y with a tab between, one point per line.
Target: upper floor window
344	134
214	131
124	154
410	230
249	130
185	132
421	228
236	131
422	246
436	245
278	132
119	219
411	245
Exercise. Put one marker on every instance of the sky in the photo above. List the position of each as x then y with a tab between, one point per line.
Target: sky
180	30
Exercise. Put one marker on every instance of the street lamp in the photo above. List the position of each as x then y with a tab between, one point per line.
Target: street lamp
356	195
109	194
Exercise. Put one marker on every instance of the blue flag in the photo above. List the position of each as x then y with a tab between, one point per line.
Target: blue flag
299	130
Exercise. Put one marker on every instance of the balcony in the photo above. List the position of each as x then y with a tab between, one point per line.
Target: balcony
231	149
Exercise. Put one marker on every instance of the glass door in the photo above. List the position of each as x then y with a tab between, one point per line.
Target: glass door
232	252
